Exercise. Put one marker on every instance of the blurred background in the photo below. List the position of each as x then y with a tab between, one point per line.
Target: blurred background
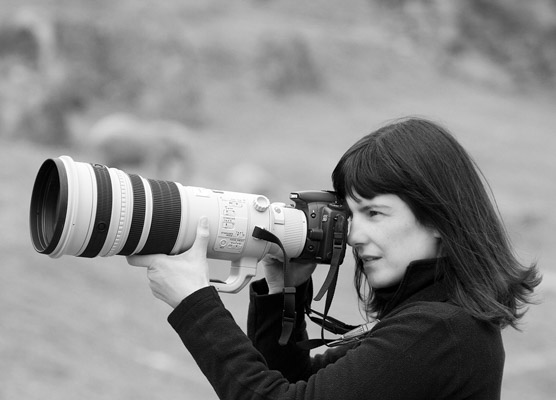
259	96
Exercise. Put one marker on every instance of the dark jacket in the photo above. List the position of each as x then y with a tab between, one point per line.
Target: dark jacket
423	348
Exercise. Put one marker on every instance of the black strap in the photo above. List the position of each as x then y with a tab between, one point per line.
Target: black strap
331	324
329	287
288	313
357	334
338	251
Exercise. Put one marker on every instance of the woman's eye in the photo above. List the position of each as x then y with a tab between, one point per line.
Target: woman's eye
373	213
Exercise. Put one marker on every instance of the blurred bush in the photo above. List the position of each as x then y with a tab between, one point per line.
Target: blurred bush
285	65
54	66
62	59
501	41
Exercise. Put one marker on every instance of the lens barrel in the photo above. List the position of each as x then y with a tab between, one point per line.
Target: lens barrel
90	210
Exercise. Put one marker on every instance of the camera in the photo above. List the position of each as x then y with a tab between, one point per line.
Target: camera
89	210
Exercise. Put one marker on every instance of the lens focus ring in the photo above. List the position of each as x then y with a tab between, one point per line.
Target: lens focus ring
138	218
166	217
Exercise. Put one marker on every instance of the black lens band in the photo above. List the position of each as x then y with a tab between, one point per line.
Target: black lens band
104	212
138	217
166	218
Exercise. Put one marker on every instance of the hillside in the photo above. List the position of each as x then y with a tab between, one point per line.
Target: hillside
284	88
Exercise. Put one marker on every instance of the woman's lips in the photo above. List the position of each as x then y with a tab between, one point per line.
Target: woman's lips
369	260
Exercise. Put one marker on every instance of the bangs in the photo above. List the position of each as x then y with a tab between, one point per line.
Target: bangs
365	171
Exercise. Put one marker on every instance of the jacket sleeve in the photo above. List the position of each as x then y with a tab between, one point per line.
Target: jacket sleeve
413	355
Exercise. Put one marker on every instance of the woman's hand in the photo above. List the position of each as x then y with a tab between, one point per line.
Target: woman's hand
274	273
173	278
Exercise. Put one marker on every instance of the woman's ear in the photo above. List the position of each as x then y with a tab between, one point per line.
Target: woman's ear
440	246
435	233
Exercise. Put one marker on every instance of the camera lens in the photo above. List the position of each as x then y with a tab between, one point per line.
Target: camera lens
90	210
48	203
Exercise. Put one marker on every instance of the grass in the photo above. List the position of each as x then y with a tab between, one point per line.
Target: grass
90	329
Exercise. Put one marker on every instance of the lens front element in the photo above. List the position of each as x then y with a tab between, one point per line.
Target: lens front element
48	205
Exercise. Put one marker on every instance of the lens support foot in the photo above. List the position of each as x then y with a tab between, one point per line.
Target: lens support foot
241	272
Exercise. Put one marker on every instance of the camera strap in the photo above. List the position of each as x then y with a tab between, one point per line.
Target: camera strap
328	287
354	335
324	320
348	333
288	312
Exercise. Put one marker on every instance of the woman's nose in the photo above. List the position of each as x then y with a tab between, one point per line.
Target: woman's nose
355	237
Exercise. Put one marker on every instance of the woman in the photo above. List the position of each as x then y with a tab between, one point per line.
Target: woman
433	265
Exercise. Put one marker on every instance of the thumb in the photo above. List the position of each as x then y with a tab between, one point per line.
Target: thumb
203	235
142	261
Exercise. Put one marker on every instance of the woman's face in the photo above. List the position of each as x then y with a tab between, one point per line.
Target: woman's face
387	237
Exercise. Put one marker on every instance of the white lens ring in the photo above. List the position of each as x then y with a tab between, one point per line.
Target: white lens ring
148	216
82	190
124	198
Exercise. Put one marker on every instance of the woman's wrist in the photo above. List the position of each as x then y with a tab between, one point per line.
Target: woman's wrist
275	288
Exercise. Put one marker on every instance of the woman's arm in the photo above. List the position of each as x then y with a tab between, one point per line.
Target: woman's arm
232	364
426	352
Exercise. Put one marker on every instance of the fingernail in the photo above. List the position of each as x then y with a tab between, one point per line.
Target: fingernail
204	222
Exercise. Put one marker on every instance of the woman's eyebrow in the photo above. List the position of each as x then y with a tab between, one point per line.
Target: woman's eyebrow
372	207
372	203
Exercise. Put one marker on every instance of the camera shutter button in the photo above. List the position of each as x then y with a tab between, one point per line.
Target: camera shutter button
261	203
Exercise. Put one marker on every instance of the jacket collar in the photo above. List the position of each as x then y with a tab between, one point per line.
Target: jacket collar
423	281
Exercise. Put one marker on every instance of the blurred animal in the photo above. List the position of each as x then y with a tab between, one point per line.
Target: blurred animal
154	148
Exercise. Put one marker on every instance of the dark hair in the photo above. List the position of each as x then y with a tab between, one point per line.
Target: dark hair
426	167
